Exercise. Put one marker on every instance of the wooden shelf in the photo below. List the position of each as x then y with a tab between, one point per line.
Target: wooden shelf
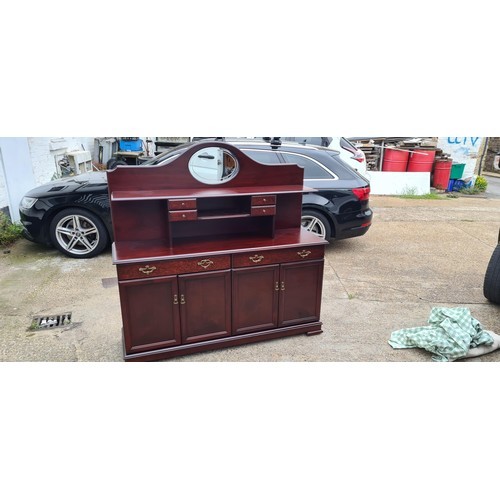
138	251
219	214
173	194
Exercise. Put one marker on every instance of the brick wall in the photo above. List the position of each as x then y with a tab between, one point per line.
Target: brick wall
489	157
3	191
46	151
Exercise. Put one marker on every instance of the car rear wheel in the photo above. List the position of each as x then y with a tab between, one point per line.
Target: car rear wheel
317	223
78	233
491	287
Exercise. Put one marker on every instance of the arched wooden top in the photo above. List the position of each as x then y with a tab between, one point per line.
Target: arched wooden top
175	175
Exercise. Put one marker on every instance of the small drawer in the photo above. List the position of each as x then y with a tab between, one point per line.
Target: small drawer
278	256
263	210
263	200
184	204
180	215
173	267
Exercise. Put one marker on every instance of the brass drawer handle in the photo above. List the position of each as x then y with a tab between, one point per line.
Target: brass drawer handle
183	301
176	300
256	258
277	286
147	269
205	263
303	253
282	286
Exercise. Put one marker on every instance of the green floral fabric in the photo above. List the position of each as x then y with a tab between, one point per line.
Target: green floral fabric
449	336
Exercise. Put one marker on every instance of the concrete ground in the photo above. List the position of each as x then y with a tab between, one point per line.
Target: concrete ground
418	254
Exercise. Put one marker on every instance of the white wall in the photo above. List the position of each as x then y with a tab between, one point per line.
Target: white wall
17	173
398	183
462	150
3	186
45	151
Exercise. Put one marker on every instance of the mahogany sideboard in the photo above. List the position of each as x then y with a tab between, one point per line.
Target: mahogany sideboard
210	253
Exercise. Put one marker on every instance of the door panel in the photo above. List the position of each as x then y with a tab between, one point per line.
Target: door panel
150	315
300	292
205	305
255	299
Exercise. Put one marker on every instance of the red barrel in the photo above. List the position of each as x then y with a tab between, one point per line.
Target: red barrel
395	160
441	176
421	160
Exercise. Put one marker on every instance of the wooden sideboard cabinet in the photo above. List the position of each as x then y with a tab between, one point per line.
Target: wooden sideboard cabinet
210	253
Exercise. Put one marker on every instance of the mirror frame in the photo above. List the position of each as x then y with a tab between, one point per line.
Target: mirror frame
214	182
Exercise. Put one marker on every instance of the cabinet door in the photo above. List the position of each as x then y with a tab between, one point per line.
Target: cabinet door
205	305
255	299
150	313
300	292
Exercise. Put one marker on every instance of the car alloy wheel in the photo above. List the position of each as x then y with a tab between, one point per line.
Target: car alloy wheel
316	223
78	233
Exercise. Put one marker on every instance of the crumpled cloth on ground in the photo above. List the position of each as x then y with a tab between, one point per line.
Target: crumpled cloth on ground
449	336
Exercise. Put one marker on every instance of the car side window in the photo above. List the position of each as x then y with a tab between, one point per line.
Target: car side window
312	170
267	157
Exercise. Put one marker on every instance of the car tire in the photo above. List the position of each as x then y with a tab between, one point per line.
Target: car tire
113	163
317	223
491	287
78	233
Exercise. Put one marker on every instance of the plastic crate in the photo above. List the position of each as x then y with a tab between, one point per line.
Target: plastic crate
457	170
131	145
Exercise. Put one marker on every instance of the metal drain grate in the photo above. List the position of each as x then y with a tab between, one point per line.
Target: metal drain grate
51	321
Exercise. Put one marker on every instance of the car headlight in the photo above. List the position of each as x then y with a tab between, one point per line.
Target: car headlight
27	202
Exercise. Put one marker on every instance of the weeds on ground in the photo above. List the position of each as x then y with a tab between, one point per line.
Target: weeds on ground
410	193
479	187
470	191
9	232
481	183
429	196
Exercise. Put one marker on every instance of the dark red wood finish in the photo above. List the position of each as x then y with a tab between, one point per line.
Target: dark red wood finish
203	267
175	174
263	200
181	215
300	292
147	326
255	299
183	204
276	256
173	267
205	303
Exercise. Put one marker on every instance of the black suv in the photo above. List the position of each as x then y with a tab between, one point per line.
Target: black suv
73	213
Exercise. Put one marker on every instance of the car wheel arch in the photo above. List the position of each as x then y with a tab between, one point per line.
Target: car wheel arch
318	210
57	209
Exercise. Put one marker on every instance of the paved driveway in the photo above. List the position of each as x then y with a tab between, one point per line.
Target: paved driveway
418	254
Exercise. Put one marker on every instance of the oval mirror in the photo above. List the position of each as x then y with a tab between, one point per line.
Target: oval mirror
213	165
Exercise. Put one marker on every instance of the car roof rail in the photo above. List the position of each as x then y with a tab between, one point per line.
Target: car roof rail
274	141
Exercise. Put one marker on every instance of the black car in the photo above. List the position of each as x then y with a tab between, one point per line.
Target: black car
73	213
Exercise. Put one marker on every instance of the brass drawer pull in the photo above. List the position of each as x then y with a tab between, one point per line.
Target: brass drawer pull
205	263
277	286
303	253
256	258
147	269
183	301
176	300
282	286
